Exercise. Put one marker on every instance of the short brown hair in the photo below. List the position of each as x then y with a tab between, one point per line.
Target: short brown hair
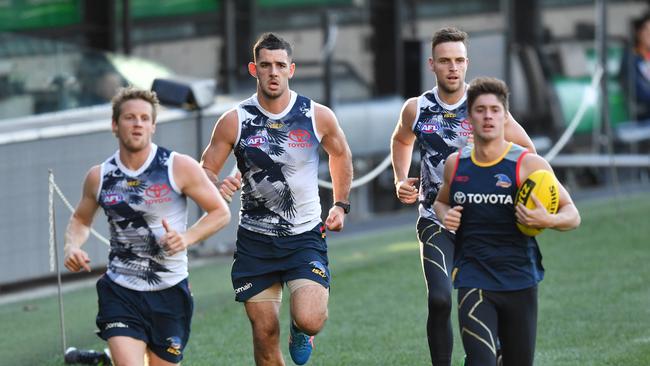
487	85
270	41
129	93
448	34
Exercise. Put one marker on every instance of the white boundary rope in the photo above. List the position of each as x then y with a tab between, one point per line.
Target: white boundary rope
589	97
366	178
69	206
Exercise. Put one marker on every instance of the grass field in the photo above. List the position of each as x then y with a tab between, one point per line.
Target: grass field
594	303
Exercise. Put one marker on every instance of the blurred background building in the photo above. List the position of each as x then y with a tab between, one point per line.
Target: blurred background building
61	60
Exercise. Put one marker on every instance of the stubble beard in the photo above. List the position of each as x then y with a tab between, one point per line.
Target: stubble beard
134	147
272	95
450	90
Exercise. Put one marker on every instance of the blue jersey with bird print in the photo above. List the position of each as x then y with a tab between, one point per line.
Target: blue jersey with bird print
277	155
440	130
135	203
491	253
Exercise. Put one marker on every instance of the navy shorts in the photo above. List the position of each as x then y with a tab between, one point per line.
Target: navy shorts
262	260
161	319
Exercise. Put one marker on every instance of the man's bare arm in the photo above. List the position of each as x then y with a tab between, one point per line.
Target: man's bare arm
78	228
401	151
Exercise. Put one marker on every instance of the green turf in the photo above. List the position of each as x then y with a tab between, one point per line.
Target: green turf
594	303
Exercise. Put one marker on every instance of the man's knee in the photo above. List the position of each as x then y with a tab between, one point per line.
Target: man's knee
265	327
440	301
309	306
311	323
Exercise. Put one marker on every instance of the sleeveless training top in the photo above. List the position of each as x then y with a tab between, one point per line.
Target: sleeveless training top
491	253
135	203
277	155
440	129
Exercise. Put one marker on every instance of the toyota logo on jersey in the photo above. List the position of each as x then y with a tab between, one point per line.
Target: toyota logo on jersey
157	190
459	197
157	193
300	138
466	125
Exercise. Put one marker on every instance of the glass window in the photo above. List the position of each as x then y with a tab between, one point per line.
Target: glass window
40	76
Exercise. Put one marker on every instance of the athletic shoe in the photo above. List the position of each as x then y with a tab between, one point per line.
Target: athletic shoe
300	345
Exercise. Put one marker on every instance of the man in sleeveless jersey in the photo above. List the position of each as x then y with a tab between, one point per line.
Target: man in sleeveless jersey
437	121
496	267
275	136
145	304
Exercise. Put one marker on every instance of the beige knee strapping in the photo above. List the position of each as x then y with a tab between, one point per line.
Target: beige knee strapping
273	293
300	282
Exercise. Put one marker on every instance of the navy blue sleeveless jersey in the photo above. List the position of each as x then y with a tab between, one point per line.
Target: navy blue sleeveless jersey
277	155
491	253
135	203
440	129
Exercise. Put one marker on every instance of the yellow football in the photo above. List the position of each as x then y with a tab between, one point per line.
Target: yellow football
543	185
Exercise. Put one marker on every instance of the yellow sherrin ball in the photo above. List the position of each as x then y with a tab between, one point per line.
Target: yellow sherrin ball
543	185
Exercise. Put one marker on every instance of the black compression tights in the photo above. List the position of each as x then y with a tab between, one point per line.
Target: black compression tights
436	252
509	315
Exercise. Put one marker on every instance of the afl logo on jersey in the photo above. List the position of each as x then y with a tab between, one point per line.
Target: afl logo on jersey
430	127
112	199
299	138
459	197
255	141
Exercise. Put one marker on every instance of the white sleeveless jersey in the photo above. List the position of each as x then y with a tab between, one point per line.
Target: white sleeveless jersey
277	155
135	203
440	130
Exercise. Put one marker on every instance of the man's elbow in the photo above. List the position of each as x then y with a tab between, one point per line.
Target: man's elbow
531	148
576	221
222	217
572	221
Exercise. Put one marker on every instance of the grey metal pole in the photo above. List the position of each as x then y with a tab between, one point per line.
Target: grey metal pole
506	10
56	263
229	18
600	34
329	40
605	138
126	27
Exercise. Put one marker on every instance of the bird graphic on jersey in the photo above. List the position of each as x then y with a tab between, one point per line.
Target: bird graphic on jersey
267	178
132	241
273	153
276	136
434	130
125	217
